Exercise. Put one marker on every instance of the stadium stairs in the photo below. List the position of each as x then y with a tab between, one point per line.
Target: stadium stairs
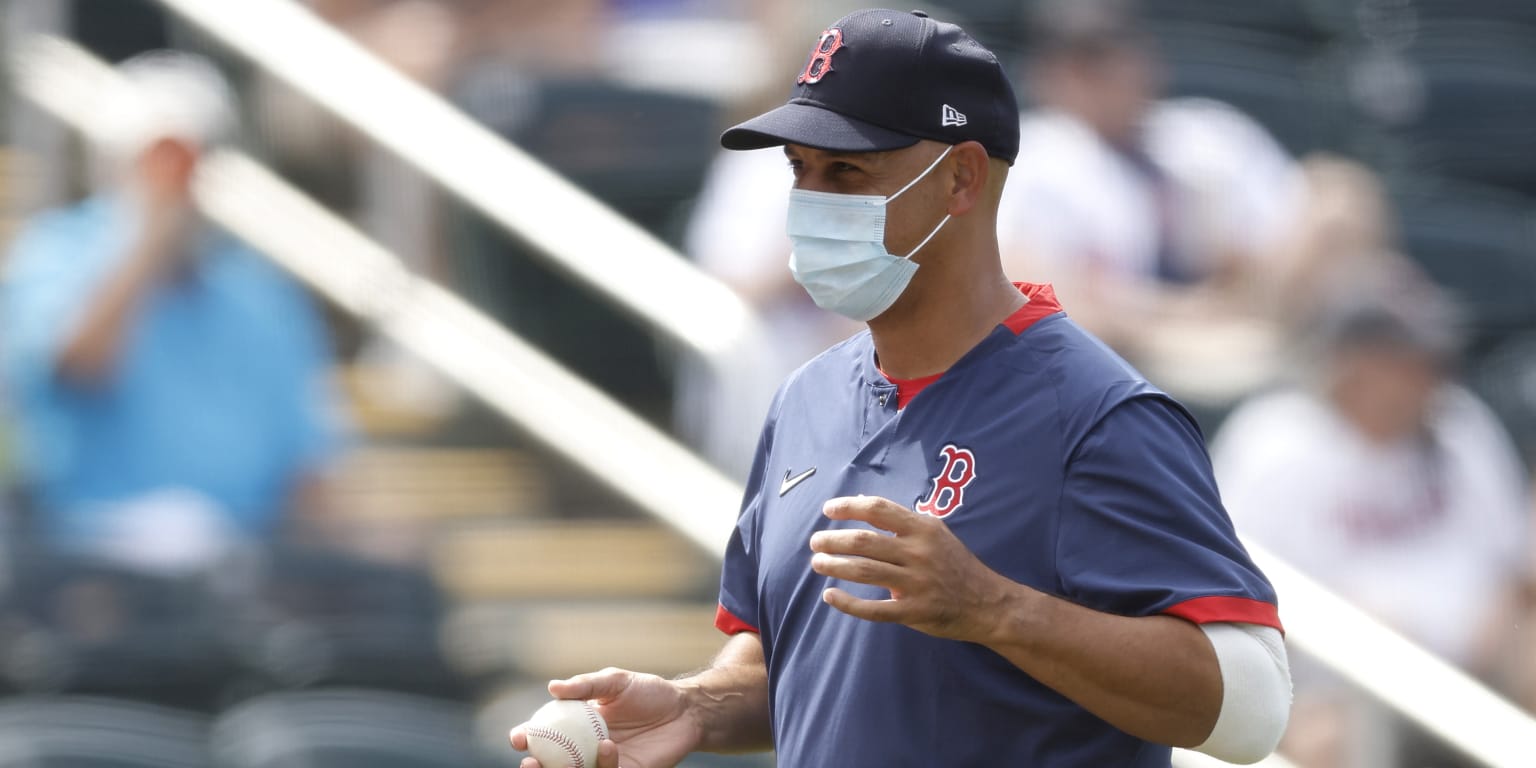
547	575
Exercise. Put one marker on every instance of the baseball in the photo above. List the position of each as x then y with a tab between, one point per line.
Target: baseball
564	734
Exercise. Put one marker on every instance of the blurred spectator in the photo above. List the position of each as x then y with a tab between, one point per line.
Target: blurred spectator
169	383
1523	661
1144	213
1392	485
1342	234
737	234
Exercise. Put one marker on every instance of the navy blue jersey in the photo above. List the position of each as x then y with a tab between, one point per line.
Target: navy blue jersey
1055	462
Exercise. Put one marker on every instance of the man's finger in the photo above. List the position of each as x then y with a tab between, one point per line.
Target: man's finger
880	512
602	685
860	542
860	570
884	611
519	738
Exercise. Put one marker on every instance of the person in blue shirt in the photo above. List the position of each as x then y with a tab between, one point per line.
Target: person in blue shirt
169	383
972	535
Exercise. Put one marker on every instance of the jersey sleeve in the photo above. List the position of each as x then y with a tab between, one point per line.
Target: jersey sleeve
738	608
1143	530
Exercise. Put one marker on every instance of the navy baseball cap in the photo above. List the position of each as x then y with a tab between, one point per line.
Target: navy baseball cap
880	79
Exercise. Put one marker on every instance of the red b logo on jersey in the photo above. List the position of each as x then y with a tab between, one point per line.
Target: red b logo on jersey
949	485
821	57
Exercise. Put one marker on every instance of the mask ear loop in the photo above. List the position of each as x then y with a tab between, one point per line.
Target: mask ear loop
920	177
925	172
935	231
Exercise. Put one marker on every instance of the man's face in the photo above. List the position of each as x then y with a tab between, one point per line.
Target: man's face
1110	88
1385	392
163	170
909	218
1127	82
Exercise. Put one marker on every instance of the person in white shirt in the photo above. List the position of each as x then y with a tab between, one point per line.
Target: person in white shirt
1389	483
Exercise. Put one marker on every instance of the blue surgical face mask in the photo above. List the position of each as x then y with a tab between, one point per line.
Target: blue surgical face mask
840	257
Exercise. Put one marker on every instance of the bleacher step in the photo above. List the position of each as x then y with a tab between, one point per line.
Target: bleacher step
415	484
570	560
543	639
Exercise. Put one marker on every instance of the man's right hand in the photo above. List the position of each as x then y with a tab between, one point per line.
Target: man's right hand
163	175
648	718
161	190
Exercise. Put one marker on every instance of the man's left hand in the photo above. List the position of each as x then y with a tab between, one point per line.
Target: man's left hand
937	585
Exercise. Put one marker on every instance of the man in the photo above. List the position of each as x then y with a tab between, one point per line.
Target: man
1159	220
169	383
972	536
1392	485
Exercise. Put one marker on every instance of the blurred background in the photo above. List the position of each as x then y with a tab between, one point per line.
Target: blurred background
299	467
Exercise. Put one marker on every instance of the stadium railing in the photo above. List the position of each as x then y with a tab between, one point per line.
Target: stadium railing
558	408
577	234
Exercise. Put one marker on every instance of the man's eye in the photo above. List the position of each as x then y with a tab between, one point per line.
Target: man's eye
843	168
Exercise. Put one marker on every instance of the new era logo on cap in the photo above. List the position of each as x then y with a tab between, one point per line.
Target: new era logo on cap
951	116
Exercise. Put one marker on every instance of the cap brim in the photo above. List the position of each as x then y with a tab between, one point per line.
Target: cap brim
815	127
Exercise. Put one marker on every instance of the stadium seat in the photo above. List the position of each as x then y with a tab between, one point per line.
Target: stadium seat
642	152
1299	19
81	732
1479	244
1479	108
85	627
1499	11
1505	377
997	24
1273	79
328	618
350	728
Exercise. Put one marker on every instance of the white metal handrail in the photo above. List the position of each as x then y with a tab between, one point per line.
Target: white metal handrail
606	252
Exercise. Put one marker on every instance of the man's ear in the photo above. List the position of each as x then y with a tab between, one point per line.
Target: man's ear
971	170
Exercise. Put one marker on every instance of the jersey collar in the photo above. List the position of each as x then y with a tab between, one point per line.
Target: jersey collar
1039	303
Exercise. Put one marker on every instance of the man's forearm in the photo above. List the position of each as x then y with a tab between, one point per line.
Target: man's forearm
90	354
1154	677
729	699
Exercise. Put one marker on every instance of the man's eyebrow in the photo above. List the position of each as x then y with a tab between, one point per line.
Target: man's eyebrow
864	157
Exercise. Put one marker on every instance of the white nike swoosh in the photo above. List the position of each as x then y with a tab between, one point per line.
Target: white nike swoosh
790	482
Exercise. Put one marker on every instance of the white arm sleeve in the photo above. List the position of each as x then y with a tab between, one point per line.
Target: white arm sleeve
1256	692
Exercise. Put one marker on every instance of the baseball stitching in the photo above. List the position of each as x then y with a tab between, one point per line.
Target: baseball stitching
598	726
562	740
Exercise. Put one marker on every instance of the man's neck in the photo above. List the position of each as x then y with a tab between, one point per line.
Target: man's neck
937	322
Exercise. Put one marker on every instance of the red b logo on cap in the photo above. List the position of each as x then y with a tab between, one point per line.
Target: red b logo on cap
821	57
